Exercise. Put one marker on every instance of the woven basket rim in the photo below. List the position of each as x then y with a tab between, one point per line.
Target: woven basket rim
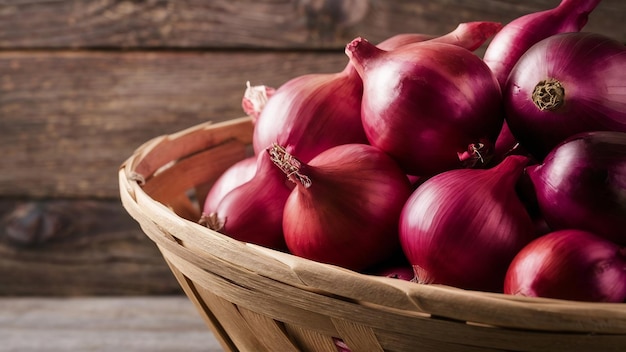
492	309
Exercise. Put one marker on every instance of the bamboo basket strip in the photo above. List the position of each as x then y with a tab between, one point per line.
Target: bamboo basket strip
279	302
208	316
310	340
257	299
242	334
162	151
497	310
360	337
271	332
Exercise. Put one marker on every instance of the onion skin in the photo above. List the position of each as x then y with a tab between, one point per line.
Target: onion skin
426	103
468	35
254	100
397	272
519	35
582	184
253	212
236	175
463	227
591	72
569	264
506	48
314	112
348	216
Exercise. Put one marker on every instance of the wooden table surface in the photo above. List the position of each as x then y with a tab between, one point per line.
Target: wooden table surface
129	324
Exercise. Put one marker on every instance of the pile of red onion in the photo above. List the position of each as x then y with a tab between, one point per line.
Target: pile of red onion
424	162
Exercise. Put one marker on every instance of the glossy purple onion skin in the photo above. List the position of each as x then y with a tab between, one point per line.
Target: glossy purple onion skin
569	264
520	34
236	175
349	215
582	185
468	35
517	37
426	102
592	70
463	227
253	212
312	113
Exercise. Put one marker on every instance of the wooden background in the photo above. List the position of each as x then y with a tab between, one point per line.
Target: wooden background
83	83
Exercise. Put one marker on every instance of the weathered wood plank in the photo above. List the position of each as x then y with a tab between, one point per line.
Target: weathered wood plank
62	247
103	324
255	24
69	119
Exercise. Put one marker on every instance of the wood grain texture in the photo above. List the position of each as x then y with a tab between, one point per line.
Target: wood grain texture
77	248
103	324
255	24
69	119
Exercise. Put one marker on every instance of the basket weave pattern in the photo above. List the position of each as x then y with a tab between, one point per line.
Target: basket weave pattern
257	299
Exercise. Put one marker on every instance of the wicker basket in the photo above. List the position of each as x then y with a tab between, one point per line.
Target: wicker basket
257	299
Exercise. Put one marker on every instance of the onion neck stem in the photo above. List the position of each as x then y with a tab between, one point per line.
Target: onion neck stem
548	95
288	164
477	154
212	221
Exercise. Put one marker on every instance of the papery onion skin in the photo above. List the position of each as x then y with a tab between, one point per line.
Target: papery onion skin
569	264
589	71
236	175
520	34
255	98
348	216
582	184
463	227
426	103
253	212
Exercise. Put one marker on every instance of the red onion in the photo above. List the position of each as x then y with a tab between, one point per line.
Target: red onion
427	104
582	184
506	144
341	345
563	85
395	267
520	34
463	227
253	212
236	175
468	35
569	264
254	99
401	272
314	112
344	209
